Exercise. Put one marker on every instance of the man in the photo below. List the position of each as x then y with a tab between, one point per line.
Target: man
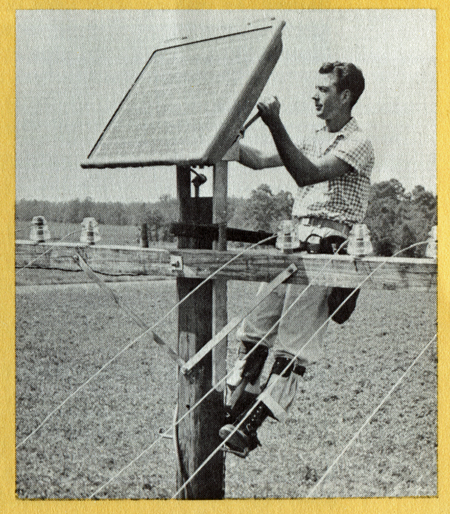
332	169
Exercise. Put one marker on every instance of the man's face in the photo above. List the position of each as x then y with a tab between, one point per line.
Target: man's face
327	100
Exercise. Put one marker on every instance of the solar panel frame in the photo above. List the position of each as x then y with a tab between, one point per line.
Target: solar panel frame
224	130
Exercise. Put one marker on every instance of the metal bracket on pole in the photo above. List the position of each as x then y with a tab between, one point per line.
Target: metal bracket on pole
279	279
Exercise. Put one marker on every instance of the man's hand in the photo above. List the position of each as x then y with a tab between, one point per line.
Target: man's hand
303	170
269	109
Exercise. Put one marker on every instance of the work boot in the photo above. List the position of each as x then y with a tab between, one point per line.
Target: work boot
244	439
249	364
242	404
247	370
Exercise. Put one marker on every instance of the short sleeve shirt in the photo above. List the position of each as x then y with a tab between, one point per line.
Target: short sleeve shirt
343	198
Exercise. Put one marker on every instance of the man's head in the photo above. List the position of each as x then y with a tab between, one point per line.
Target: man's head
338	88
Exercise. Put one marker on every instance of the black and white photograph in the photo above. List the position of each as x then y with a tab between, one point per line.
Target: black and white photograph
225	254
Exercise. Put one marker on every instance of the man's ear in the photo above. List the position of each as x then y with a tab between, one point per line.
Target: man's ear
346	95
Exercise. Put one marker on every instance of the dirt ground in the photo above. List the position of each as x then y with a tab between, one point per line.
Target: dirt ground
65	333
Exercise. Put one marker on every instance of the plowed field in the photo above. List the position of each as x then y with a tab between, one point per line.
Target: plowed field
66	333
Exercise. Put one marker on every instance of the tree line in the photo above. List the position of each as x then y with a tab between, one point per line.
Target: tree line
396	218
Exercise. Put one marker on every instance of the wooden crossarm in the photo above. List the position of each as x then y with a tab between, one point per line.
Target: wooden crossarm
259	266
343	271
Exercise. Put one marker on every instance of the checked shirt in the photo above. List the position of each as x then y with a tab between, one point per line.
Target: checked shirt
344	198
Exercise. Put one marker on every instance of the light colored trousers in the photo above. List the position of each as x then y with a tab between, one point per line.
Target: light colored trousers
303	314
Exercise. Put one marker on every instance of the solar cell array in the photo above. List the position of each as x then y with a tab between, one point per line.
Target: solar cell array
190	100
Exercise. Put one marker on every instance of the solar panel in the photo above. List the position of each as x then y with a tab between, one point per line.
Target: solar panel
190	100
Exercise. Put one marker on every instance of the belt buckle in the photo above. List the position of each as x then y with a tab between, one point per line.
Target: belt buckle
316	222
305	221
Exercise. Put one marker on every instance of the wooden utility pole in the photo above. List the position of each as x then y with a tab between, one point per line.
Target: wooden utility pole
198	433
220	188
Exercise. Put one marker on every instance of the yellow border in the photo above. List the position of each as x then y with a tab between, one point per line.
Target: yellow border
8	503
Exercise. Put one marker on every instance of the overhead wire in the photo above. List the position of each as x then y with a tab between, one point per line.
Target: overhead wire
223	379
369	419
292	360
28	264
139	337
104	273
212	389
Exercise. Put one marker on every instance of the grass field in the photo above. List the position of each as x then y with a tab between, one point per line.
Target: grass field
65	333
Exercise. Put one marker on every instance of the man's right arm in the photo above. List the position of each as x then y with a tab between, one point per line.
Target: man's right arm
257	160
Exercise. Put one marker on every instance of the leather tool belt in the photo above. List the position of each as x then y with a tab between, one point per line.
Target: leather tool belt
323	222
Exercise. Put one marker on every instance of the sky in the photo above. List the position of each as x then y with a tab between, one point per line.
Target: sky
74	67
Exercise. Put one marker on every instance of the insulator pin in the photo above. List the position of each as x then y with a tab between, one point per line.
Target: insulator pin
39	230
359	243
89	232
431	249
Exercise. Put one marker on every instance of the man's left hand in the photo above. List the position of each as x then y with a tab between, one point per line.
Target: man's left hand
270	110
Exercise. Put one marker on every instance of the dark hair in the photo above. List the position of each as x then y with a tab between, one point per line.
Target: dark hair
348	77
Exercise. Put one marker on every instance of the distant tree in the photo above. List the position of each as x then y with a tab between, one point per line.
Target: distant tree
382	213
259	210
235	212
168	207
118	214
284	202
397	219
154	220
418	215
25	210
73	212
406	237
87	208
264	210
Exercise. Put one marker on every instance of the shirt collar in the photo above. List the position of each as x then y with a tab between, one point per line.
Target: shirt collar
348	128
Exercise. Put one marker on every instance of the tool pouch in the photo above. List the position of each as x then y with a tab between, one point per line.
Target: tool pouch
339	295
341	298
